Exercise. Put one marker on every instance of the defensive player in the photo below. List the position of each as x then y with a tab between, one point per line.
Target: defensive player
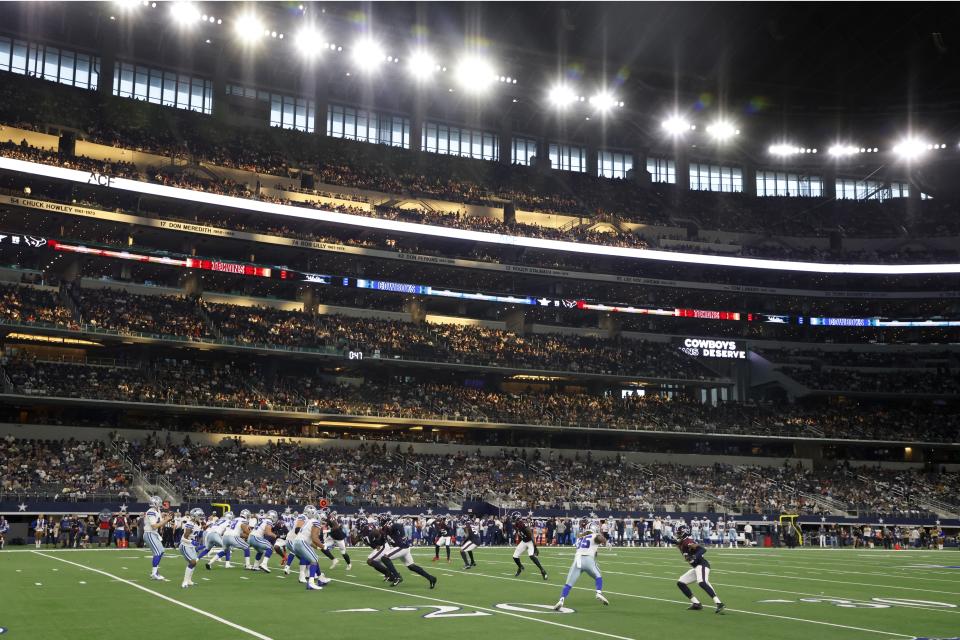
699	572
153	523
444	532
470	542
261	539
336	538
526	544
398	548
584	561
369	533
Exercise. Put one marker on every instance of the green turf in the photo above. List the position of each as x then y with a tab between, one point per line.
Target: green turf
71	601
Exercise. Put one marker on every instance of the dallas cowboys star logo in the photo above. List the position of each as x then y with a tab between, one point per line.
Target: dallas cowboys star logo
22	506
429	512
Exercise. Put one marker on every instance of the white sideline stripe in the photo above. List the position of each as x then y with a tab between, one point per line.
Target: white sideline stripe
234	625
752	613
494	611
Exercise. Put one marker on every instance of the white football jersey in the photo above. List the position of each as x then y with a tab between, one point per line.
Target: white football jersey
262	526
587	545
306	531
151	520
236	527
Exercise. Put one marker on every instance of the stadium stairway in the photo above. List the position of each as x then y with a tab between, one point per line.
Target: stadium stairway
144	486
762	372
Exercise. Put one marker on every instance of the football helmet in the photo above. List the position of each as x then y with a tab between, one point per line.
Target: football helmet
197	514
310	511
516	516
228	515
272	516
156	501
245	513
682	531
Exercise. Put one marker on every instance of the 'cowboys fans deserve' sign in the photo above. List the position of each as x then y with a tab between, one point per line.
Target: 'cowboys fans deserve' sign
709	348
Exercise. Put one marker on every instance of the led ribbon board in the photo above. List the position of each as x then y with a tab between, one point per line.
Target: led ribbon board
164	191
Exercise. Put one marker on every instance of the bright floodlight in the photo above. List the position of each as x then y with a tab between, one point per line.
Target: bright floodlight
842	150
722	130
309	42
248	28
184	13
910	148
784	149
475	74
561	96
127	4
604	101
676	126
422	65
367	54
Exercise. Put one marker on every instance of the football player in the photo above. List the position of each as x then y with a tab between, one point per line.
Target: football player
308	539
526	544
585	561
398	548
442	531
191	545
336	538
261	539
213	538
470	542
371	535
153	522
699	572
235	537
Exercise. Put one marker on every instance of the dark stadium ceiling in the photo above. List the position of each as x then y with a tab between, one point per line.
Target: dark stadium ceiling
816	69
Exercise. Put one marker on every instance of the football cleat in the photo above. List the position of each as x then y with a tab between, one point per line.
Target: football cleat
185	585
227	565
696	606
335	562
207	565
544	574
602	599
467	566
720	607
158	577
302	580
286	569
519	571
313	586
433	582
559	605
349	566
264	569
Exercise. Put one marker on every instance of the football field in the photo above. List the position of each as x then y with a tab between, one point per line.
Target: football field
783	594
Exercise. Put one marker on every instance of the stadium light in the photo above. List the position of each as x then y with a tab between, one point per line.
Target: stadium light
129	5
722	130
676	126
422	65
562	96
184	13
367	54
309	42
248	28
604	101
843	150
475	74
911	148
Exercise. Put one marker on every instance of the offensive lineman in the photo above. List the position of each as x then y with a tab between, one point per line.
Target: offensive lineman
585	561
699	573
526	545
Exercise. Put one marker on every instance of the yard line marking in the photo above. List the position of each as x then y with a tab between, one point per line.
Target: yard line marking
496	611
238	627
753	613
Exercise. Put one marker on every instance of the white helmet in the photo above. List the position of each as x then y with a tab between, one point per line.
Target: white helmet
272	516
245	513
156	501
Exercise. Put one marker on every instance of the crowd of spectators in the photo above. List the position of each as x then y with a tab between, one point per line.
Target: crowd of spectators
61	470
28	304
247	387
378	476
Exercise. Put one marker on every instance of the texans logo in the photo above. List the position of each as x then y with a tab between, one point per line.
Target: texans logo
34	242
